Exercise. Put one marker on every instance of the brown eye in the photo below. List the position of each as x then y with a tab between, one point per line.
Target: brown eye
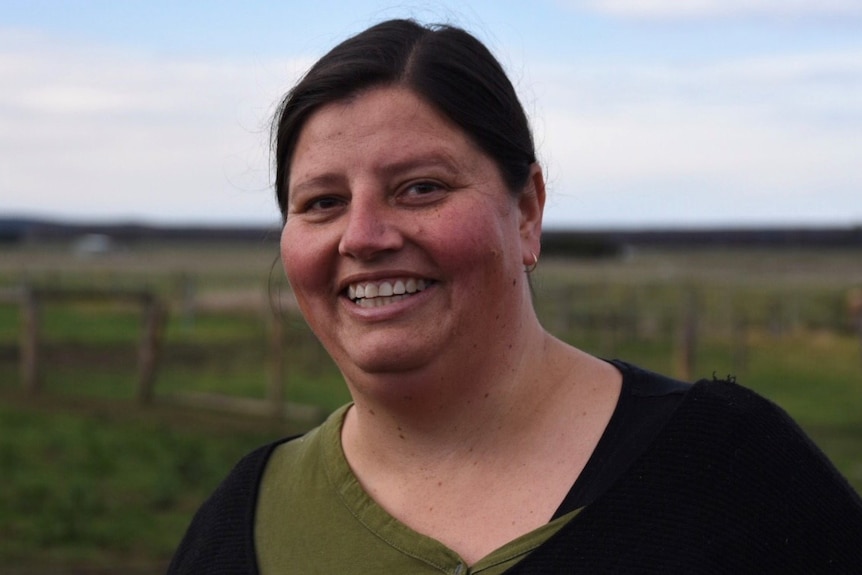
320	208
423	188
323	204
422	192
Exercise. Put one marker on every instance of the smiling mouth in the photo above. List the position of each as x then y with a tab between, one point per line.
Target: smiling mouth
377	294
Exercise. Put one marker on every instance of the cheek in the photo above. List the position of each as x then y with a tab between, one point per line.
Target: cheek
474	250
287	256
481	233
301	266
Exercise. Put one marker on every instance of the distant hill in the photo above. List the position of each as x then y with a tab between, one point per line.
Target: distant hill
609	242
579	243
19	230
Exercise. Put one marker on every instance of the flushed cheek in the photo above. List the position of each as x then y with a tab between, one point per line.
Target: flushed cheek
305	265
473	245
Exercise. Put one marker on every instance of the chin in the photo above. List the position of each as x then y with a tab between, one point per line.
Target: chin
384	361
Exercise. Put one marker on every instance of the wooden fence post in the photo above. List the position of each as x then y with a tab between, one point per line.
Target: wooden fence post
187	299
150	345
275	389
609	326
30	312
859	331
854	310
739	345
687	337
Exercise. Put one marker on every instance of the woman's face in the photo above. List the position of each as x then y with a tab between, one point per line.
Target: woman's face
402	243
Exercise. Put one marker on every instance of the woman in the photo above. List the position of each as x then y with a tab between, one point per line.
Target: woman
477	442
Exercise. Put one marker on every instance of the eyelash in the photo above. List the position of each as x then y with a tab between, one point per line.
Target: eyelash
415	189
423	186
425	189
313	204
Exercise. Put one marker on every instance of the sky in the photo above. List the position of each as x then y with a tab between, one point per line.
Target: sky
646	113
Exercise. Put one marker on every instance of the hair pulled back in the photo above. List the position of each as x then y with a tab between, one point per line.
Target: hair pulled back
445	65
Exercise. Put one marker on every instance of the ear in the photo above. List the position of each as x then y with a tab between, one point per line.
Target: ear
531	204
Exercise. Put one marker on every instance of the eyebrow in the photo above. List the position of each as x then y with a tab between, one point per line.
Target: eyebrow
322	181
434	159
389	169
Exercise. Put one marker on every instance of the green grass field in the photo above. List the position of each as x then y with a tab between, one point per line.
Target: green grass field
94	480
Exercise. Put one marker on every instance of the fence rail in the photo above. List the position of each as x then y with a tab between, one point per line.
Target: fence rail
685	320
33	300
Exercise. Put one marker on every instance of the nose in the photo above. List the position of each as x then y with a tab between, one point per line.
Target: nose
371	230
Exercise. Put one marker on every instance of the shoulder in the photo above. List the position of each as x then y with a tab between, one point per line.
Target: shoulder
750	450
643	383
723	415
723	404
220	536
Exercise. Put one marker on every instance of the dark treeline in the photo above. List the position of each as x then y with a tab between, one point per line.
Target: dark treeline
576	243
603	243
21	230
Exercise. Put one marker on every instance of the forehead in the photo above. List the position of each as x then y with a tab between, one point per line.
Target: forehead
383	116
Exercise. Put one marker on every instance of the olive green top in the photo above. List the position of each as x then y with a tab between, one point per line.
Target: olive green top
314	517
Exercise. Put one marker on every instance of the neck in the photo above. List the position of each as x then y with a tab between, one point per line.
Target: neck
420	420
505	445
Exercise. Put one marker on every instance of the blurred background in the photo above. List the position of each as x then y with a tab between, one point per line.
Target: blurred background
704	219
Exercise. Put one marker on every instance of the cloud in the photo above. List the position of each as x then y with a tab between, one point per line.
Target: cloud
767	139
697	9
90	131
93	132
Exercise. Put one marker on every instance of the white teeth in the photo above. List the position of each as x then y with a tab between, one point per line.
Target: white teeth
380	301
374	294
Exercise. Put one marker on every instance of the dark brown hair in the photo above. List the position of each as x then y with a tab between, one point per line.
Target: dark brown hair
446	66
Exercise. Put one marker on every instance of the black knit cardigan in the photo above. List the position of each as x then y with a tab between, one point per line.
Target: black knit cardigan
730	485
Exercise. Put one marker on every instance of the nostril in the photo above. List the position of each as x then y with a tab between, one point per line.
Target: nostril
366	237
